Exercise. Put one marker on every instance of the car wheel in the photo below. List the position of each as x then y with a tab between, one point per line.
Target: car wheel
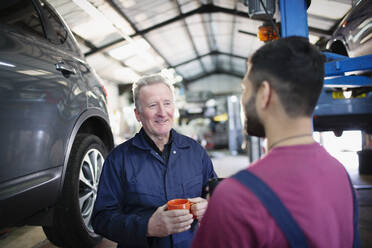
72	217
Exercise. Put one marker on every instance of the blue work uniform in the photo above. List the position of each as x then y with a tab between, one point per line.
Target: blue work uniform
136	180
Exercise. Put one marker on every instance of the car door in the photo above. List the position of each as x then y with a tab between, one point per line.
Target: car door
41	94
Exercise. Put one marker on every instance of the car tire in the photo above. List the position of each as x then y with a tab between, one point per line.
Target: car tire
72	216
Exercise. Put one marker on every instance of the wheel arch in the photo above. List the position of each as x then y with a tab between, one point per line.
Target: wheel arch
91	121
339	47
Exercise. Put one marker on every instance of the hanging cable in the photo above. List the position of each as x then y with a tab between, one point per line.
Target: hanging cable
271	19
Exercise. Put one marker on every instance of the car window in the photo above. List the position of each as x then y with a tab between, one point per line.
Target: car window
62	37
56	24
22	16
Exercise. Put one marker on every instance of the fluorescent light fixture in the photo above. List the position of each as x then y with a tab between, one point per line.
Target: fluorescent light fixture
99	17
147	60
7	64
125	74
142	62
129	49
95	30
329	9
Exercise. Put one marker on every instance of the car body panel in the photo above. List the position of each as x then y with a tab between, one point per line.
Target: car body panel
355	31
38	104
41	111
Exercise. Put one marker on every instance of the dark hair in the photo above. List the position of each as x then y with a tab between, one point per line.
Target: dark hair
294	68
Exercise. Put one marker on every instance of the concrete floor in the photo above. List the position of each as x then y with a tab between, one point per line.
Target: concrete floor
225	165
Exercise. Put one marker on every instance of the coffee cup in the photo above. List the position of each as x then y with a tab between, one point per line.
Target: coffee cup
179	204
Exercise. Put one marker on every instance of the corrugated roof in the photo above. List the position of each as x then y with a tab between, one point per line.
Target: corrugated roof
194	37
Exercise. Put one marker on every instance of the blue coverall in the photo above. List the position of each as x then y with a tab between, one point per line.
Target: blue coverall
135	181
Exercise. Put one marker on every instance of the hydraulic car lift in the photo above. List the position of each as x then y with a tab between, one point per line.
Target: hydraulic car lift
293	14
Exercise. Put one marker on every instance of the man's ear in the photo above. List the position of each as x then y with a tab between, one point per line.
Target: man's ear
265	93
137	113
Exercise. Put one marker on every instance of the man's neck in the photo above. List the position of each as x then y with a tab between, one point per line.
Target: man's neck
160	141
287	132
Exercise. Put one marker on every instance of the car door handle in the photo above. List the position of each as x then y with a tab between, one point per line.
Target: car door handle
65	69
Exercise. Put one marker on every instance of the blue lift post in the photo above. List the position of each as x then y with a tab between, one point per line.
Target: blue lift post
338	74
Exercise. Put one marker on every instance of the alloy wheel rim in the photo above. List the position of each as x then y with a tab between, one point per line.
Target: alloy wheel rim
90	171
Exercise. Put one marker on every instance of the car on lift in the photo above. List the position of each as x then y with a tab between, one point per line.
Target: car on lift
349	107
55	131
353	35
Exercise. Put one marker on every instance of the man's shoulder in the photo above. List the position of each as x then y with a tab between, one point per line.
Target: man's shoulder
184	140
233	197
122	148
125	144
230	188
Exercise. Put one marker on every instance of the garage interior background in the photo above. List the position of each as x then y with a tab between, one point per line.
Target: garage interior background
201	45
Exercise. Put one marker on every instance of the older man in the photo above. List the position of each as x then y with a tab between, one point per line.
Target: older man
297	195
142	174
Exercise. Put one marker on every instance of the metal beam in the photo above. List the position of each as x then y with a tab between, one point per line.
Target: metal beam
122	14
190	37
211	42
210	33
214	52
233	36
230	73
204	9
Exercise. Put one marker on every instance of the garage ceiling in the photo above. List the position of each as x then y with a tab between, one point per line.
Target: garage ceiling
124	39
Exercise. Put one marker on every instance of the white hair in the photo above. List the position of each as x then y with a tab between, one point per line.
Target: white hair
149	80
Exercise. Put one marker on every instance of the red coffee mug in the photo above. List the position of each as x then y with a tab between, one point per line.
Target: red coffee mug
180	204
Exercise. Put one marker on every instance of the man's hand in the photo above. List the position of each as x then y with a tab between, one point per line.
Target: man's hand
163	223
199	207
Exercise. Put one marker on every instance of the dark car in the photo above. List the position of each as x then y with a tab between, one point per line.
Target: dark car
347	103
353	36
55	132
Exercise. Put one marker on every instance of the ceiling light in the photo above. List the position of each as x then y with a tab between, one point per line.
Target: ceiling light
129	49
125	74
94	30
329	9
141	63
98	16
